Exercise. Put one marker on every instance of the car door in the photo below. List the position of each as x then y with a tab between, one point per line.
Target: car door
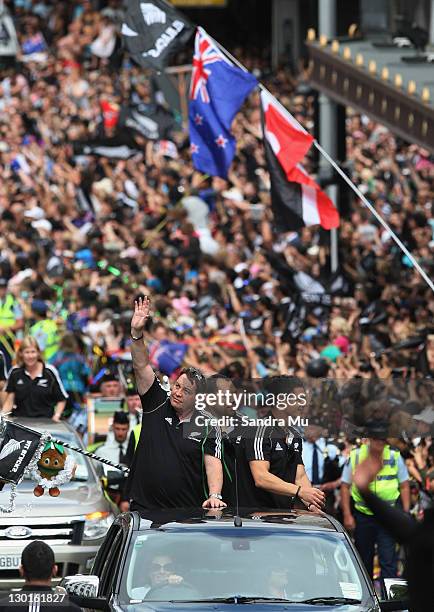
110	569
108	564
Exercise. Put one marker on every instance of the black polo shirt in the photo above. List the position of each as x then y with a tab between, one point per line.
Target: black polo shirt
36	397
281	447
167	469
9	602
3	372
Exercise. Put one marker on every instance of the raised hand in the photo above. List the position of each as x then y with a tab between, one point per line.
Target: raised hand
366	471
141	313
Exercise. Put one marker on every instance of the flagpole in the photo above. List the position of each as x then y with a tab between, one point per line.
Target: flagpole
331	161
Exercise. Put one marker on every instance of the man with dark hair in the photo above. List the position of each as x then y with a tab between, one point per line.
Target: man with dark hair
269	458
177	463
115	449
38	568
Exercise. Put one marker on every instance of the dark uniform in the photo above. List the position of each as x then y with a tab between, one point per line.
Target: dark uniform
3	371
26	600
167	469
281	447
36	397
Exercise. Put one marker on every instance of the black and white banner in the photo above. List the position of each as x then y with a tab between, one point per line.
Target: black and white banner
151	121
153	31
120	146
17	448
8	35
148	121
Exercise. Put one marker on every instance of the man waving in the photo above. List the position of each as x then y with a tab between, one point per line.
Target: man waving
177	463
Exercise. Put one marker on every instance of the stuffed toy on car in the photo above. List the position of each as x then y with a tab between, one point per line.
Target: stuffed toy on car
55	467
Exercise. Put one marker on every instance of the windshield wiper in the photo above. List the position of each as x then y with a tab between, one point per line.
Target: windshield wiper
236	599
242	599
330	600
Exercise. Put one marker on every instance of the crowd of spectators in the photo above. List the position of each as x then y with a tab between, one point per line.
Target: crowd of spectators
82	235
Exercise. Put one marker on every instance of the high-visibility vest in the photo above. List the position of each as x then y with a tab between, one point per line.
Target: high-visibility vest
47	335
385	485
136	431
7	315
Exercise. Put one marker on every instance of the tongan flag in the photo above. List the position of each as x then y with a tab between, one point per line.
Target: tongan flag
296	198
217	91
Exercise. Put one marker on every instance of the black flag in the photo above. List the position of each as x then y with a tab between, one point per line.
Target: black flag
153	31
151	121
17	448
119	146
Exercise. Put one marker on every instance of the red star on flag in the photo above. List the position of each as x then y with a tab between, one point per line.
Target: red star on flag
198	119
194	148
221	141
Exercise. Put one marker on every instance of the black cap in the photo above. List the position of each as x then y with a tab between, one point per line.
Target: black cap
317	368
108	376
377	430
121	418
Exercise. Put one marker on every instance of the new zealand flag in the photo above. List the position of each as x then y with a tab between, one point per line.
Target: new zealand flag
217	91
167	356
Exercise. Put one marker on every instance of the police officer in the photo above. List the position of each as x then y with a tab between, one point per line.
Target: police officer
11	320
44	330
390	484
323	463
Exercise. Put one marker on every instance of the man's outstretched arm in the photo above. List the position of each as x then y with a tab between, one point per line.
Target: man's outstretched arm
143	372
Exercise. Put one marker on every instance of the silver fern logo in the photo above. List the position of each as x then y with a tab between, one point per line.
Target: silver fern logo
152	14
10	447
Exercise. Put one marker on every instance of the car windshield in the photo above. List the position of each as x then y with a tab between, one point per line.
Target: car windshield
199	565
82	472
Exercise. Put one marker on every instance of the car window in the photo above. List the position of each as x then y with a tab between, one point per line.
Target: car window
297	566
104	551
111	562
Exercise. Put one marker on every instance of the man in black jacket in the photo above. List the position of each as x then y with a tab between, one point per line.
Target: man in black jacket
418	538
38	568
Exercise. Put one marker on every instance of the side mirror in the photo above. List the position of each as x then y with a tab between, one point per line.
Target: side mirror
394	605
396	588
114	477
83	591
396	595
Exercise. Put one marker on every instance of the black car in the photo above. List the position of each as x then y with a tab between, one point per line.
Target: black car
213	560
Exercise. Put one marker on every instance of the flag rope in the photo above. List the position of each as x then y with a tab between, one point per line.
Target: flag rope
339	170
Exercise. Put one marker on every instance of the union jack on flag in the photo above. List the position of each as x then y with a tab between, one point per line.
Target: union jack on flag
217	90
205	53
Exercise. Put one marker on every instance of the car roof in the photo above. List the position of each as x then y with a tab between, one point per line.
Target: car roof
251	517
